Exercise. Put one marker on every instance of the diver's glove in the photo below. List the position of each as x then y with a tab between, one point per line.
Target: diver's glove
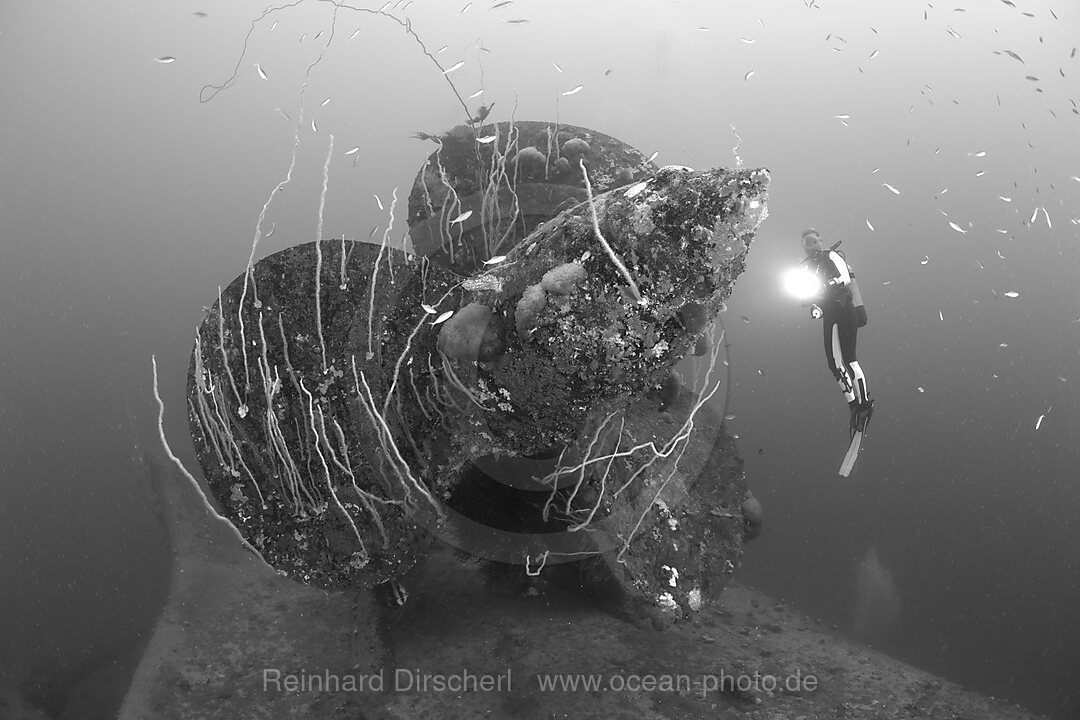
815	311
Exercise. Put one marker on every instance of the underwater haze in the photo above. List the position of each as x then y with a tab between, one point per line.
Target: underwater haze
940	143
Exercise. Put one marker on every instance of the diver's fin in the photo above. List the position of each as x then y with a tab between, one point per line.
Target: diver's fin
852	454
861	420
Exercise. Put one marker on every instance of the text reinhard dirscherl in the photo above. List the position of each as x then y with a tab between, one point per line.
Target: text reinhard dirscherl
465	680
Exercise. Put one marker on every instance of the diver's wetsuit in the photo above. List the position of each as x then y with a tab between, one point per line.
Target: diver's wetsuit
840	325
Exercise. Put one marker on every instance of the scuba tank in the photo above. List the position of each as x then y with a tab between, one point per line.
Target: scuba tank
853	288
856	300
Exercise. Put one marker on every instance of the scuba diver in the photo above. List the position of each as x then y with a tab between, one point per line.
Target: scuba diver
842	313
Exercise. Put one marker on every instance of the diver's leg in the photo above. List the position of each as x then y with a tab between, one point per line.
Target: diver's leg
844	347
847	331
834	356
862	406
858	381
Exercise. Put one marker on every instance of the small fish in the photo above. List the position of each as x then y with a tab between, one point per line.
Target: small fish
1047	216
1009	3
443	49
465	9
325	102
283	114
427	308
703	29
891	189
443	317
477	94
842	117
199	13
273	26
1032	78
486	140
495	260
384	6
729	416
953	33
355	33
262	73
869	225
874	54
748	75
1003	345
378	201
1038	423
515	22
1034	215
165	59
1004	199
941	317
925	260
921	389
957	228
887	282
462	217
502	4
575	91
455	66
1011	294
1014	56
635	190
314	127
998	252
981	153
273	229
981	266
749	41
652	157
557	66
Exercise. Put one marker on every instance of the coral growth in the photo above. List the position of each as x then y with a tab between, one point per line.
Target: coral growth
575	148
531	157
473	333
528	309
753	516
563	279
